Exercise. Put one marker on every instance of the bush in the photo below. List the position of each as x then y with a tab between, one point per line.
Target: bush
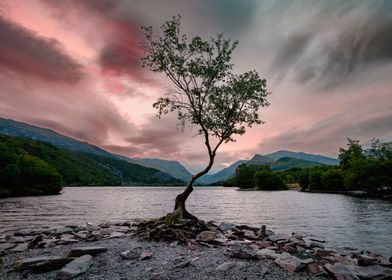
268	180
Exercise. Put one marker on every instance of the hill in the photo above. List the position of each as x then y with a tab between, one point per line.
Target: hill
77	168
300	155
15	128
171	167
286	163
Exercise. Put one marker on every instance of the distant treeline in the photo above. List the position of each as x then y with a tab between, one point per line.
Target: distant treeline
29	167
359	169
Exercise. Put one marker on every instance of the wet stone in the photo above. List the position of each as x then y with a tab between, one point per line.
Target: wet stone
238	250
75	268
372	271
20	248
230	266
278	237
93	250
206	236
290	264
340	272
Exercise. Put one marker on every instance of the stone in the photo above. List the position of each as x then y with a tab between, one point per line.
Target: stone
249	234
263	272
146	254
230	265
364	260
76	267
289	248
238	250
63	230
20	248
340	272
290	264
226	226
182	264
263	244
117	234
132	254
320	240
267	254
261	233
80	251
206	236
313	268
278	237
372	271
6	246
314	244
344	260
15	239
307	261
318	252
94	236
42	263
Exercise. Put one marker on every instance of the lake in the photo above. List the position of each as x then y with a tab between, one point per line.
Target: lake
341	220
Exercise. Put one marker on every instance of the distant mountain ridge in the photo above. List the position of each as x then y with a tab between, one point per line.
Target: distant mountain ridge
20	129
14	128
301	155
280	160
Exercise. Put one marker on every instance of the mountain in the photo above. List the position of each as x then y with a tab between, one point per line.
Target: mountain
174	168
78	168
15	128
300	155
261	160
222	175
286	163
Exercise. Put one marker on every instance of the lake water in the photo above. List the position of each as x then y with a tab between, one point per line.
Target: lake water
341	220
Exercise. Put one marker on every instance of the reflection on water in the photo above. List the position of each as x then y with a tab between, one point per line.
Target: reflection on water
342	220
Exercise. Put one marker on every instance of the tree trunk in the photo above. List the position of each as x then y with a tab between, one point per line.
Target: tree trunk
179	206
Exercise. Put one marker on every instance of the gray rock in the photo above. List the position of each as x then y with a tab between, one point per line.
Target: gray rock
320	240
6	246
93	250
340	272
278	237
75	268
15	239
372	271
226	226
117	234
289	263
63	230
249	234
132	254
238	250
267	254
206	236
318	252
20	247
364	260
230	265
314	244
146	254
42	263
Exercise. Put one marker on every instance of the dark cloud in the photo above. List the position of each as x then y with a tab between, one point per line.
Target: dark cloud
120	53
336	43
24	52
331	133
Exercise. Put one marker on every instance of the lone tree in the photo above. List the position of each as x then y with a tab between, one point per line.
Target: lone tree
206	93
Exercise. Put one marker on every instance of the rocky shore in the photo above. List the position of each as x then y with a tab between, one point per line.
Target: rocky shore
188	250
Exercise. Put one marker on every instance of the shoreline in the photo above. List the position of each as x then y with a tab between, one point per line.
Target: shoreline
224	251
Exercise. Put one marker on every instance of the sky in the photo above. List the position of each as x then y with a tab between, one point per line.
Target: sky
74	66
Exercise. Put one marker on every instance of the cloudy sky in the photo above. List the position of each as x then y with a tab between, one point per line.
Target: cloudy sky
74	66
